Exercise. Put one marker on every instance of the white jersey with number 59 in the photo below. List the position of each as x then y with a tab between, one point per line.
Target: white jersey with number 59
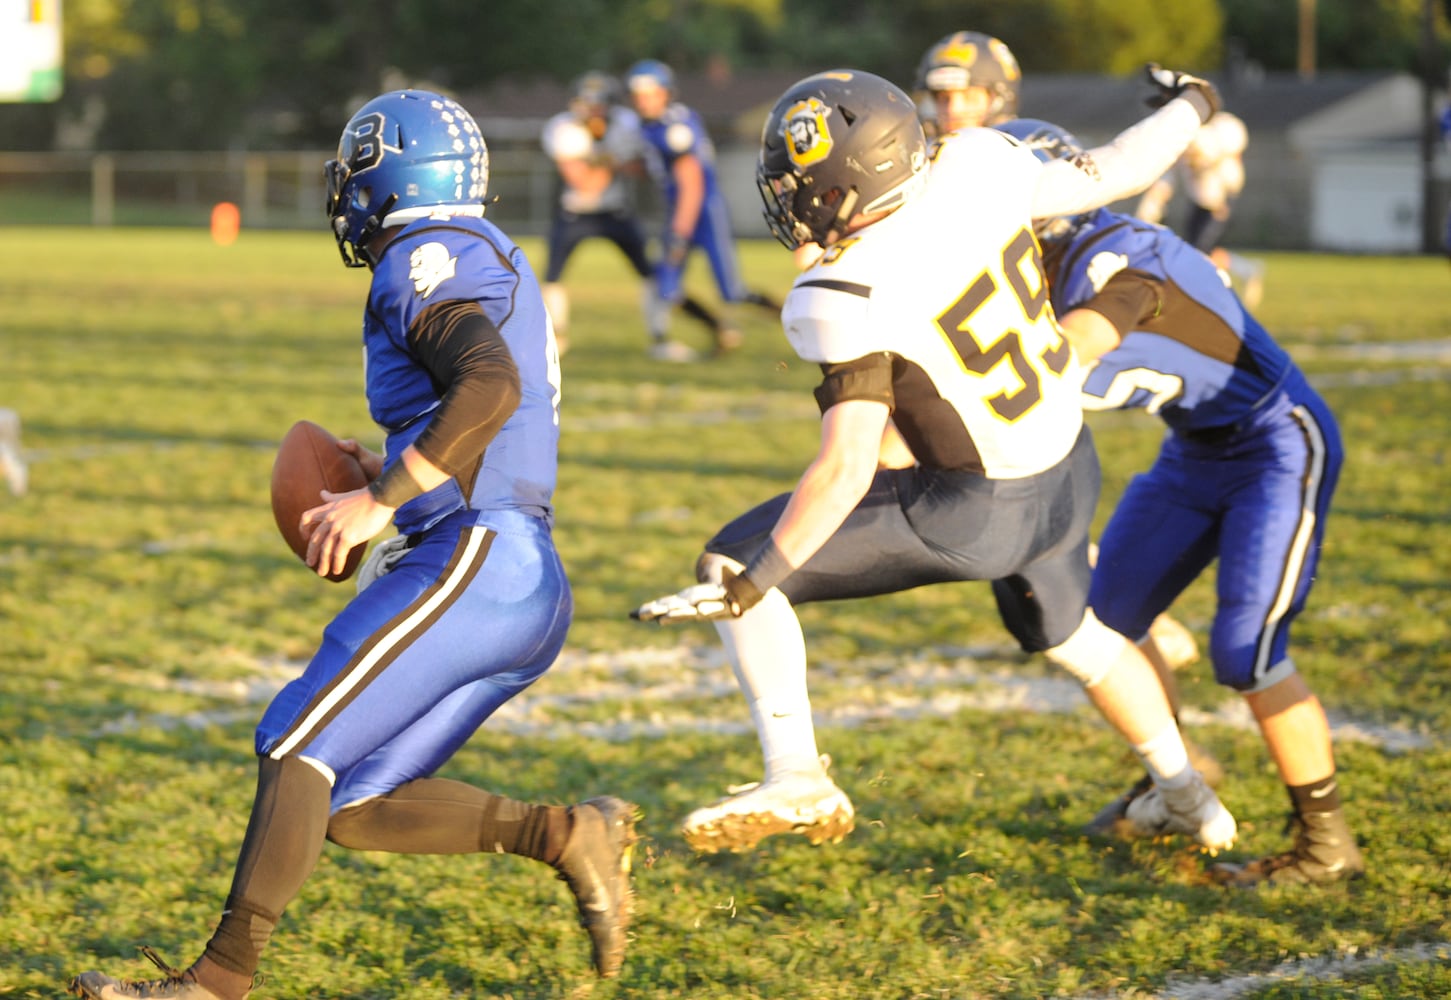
951	288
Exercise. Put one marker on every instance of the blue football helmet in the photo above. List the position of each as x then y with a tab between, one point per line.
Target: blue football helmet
653	70
403	156
1049	142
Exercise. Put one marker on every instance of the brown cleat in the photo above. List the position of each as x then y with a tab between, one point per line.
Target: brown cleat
596	867
173	985
1324	851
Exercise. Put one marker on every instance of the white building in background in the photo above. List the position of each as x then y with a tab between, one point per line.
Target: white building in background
1365	159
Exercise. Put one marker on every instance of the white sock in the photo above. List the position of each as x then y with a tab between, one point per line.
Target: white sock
768	655
1165	758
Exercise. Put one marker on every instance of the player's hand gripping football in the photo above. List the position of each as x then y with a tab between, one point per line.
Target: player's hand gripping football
343	521
1169	84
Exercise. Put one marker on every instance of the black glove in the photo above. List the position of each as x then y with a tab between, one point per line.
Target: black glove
1171	83
741	593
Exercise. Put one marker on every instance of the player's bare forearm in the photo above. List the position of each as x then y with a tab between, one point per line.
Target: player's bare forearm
836	480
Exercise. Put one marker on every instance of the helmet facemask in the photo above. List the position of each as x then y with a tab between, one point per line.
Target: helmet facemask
405	155
834	146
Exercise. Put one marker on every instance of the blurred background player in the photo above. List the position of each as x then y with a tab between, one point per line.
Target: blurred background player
970	79
681	158
12	464
1244	476
1212	174
462	376
592	144
985	478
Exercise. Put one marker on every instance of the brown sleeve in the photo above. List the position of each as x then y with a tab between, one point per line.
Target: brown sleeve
1129	300
475	375
868	377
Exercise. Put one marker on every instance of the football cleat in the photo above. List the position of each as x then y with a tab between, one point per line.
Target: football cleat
1111	819
596	867
727	339
1324	851
1193	810
809	804
12	465
673	351
1176	643
174	985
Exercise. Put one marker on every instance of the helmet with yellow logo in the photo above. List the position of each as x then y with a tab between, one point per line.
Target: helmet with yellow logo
835	145
972	59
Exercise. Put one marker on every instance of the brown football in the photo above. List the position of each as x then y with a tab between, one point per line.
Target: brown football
308	462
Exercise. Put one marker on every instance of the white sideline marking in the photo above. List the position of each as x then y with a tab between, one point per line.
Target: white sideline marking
1318	968
655	689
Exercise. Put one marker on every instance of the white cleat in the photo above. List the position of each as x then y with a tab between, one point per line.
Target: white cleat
672	351
1176	643
809	804
1193	810
12	466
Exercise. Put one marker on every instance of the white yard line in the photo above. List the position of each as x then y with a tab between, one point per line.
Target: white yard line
659	688
1299	971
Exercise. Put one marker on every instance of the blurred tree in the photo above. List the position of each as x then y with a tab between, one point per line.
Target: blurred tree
271	73
1349	34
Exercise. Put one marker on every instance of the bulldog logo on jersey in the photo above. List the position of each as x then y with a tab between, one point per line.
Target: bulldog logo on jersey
430	266
1104	266
808	137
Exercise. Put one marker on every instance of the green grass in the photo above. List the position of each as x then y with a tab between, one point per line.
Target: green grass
144	591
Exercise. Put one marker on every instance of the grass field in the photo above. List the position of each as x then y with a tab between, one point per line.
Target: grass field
148	609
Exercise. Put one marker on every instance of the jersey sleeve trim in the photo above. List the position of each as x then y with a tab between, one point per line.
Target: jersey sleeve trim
849	287
1129	300
868	378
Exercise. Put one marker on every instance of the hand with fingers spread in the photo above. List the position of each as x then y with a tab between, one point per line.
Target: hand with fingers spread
343	521
732	598
1170	84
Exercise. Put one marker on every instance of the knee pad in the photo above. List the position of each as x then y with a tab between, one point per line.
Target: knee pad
710	567
1090	652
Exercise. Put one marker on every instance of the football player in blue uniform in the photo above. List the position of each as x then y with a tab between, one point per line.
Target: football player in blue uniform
681	158
462	375
952	438
593	144
1245	477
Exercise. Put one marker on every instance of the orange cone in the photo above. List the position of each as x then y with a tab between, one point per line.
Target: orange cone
226	223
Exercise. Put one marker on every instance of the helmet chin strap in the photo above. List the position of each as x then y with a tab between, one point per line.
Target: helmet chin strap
372	227
840	223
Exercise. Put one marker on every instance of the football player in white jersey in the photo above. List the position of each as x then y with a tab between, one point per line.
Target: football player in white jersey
953	445
593	144
1212	174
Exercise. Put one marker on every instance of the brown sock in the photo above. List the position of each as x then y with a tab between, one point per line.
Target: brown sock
1316	797
440	816
284	840
225	983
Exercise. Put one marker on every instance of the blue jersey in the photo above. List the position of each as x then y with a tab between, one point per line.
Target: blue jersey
1247	476
437	260
1202	363
676	133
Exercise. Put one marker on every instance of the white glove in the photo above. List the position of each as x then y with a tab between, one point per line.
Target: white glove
702	602
385	555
